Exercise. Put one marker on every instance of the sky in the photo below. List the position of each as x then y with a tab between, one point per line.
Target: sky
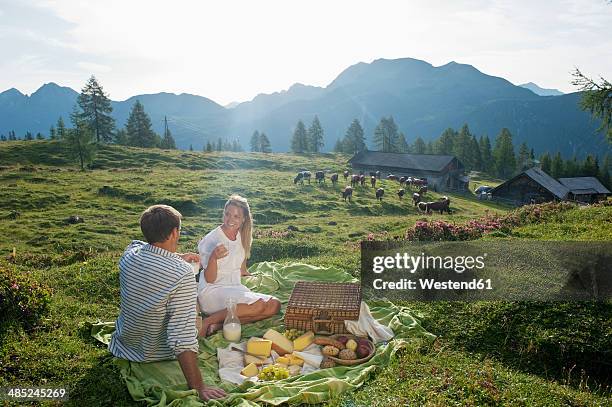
232	50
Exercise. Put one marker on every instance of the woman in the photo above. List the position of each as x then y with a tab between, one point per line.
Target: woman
223	254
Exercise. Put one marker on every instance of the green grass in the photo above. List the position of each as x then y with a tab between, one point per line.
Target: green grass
471	363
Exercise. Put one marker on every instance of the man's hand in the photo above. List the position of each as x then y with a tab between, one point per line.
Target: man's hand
209	393
190	257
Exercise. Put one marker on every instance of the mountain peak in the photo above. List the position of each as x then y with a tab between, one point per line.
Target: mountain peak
11	92
52	89
541	91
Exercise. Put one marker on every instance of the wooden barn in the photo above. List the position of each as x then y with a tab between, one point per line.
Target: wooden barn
531	186
585	189
442	172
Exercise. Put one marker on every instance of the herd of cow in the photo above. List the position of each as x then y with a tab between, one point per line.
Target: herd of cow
416	184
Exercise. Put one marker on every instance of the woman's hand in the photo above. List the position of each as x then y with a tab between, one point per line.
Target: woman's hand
190	257
220	252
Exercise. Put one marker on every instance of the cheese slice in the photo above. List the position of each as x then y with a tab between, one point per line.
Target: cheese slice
283	359
280	343
295	360
248	359
259	347
250	370
303	341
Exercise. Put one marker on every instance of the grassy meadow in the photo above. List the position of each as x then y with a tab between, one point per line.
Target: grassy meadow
487	353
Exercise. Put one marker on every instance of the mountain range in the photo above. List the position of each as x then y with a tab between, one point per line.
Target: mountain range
423	99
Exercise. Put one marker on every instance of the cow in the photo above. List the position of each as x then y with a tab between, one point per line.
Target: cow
373	181
416	198
320	176
391	177
354	180
362	180
423	190
401	193
379	194
346	174
301	176
347	193
403	180
334	178
443	205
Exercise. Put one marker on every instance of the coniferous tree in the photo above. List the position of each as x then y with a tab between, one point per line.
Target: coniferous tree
52	135
532	155
12	136
462	144
505	161
190	147
39	136
338	147
604	175
121	137
28	136
264	143
219	146
299	139
590	167
556	168
97	110
419	146
3	137
255	142
61	128
523	157
354	140
167	141
430	148
80	139
138	127
476	155
209	147
315	136
386	135
402	145
545	162
444	144
572	167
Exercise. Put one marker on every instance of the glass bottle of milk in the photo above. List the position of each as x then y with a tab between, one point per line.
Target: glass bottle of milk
231	327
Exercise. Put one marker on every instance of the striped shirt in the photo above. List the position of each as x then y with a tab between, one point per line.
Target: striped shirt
158	299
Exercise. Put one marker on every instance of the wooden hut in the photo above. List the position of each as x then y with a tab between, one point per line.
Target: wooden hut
585	189
531	186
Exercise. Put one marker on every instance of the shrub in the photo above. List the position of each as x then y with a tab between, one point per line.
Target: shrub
22	299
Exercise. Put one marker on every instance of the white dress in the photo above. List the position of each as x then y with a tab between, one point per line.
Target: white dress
212	297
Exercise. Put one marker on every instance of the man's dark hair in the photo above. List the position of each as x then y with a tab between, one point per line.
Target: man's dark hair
158	221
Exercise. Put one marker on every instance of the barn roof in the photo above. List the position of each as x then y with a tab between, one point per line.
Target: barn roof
542	178
425	162
584	185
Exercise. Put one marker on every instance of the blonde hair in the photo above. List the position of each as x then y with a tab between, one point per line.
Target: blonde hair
246	230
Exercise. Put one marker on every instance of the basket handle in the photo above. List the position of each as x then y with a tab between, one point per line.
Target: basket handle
316	321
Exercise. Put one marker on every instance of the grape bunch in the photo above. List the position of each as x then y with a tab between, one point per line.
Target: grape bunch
273	373
293	334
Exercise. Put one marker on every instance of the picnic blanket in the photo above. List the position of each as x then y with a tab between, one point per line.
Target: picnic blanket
163	384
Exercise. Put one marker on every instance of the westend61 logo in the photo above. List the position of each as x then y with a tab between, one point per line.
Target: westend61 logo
412	264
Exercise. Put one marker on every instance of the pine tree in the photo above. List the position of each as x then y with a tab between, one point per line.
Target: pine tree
532	155
419	146
209	147
402	145
556	168
121	137
167	141
545	163
572	168
264	143
604	175
386	135
97	108
28	136
255	142
523	157
461	147
444	144
79	139
39	136
354	140
138	127
298	141
219	146
338	147
505	161
3	137
430	148
476	155
590	167
190	147
61	128
52	135
315	136
12	136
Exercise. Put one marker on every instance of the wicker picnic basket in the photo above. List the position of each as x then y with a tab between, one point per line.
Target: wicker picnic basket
322	307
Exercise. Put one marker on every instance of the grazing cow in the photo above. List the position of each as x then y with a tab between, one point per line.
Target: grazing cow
347	193
334	179
419	182
416	198
320	176
403	180
301	176
443	205
362	180
379	193
354	180
373	181
401	193
423	190
391	177
346	174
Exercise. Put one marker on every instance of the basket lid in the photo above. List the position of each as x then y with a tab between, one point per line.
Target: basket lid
332	296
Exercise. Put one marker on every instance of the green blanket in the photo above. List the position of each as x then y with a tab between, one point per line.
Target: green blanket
163	384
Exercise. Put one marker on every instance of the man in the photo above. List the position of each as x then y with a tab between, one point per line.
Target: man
157	320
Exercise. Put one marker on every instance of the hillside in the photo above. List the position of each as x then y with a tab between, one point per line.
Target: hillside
423	99
486	353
